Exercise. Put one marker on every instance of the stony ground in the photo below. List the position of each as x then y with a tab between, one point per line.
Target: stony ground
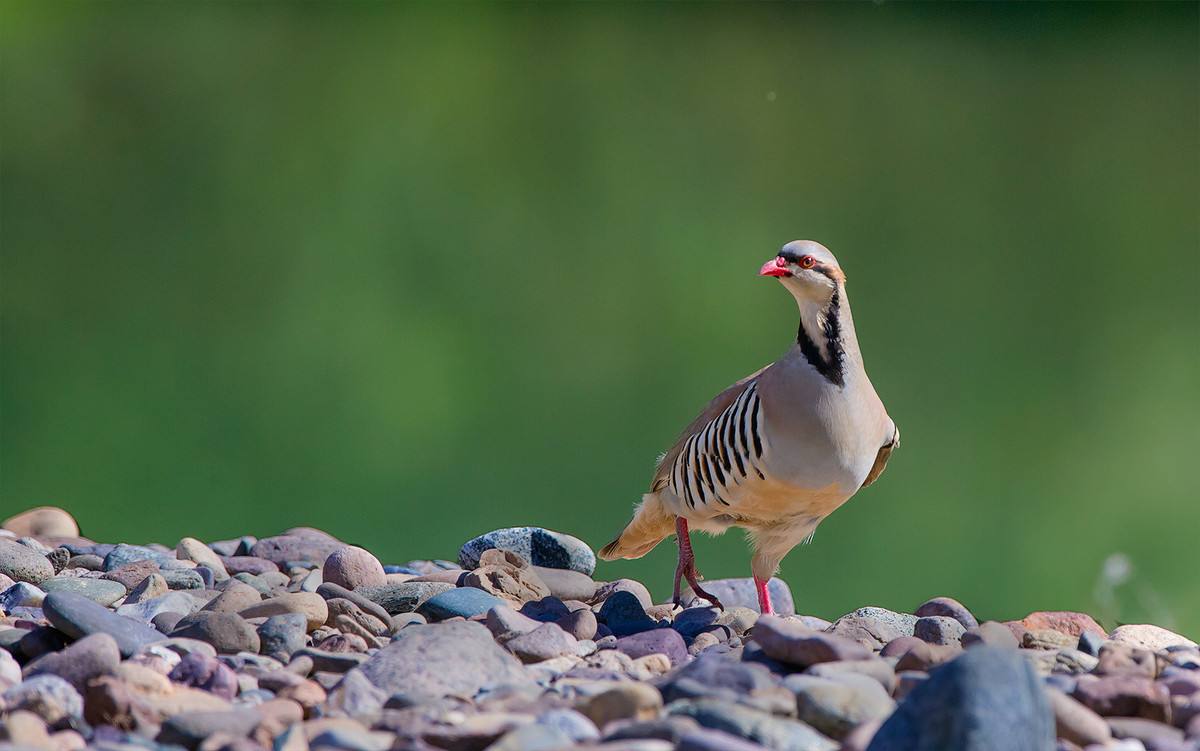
299	641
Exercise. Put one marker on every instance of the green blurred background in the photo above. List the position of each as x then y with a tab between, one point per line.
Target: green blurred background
413	272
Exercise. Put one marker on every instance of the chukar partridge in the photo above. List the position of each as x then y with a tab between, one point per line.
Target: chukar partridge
778	451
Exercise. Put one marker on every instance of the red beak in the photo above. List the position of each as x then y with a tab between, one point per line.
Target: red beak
775	267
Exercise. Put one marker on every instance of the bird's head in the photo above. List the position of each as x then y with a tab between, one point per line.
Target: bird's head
806	268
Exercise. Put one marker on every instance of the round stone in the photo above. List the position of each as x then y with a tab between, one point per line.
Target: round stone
352	567
541	547
22	564
43	521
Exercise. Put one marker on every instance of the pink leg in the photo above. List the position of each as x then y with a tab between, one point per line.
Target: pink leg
686	568
764	597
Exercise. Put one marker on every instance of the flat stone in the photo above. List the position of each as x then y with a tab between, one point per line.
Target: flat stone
545	642
662	641
1124	696
464	602
91	656
623	613
310	604
353	567
404	597
988	699
789	641
171	602
939	629
1149	637
743	593
458	658
132	574
228	633
236	597
1075	722
566	584
541	547
1153	735
876	668
874	627
835	707
248	564
191	549
624	701
42	521
22	564
311	546
331	591
506	623
705	739
97	590
925	656
1065	621
77	617
152	586
948	607
777	733
190	729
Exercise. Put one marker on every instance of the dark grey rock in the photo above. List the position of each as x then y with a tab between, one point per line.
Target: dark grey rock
166	622
547	610
777	733
239	546
283	635
189	729
1090	643
624	615
458	658
717	676
182	578
77	617
331	662
463	602
988	699
608	589
404	597
541	547
228	633
22	564
938	629
743	593
656	641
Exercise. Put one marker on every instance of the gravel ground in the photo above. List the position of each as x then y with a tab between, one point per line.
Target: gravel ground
300	641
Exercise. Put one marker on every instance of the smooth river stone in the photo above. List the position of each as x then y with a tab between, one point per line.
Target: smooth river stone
77	617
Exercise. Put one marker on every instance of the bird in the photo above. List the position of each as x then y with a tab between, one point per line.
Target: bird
779	450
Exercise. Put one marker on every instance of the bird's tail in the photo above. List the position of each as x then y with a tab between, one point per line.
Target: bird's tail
651	524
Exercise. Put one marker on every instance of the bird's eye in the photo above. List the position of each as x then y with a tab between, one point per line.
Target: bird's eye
807	262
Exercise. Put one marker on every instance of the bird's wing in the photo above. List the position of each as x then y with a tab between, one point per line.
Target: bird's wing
881	459
662	472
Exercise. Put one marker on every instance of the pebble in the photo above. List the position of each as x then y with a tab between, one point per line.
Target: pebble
1065	621
948	607
835	707
132	574
77	617
247	564
1149	637
404	597
634	587
664	641
47	696
191	549
21	594
874	627
91	656
743	593
310	604
990	633
97	590
987	699
228	633
182	578
789	641
566	584
43	521
123	555
624	614
779	733
541	547
152	586
939	629
625	701
1075	722
352	567
581	624
461	602
545	642
281	636
1124	696
21	564
295	545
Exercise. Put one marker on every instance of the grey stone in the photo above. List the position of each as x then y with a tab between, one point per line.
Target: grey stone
876	668
463	602
123	555
301	545
835	707
99	591
248	565
705	739
777	733
47	696
987	699
405	597
743	593
283	635
21	564
171	602
184	578
545	642
656	641
77	616
579	728
331	591
189	729
541	547
938	629
21	594
228	633
717	676
532	737
458	658
873	627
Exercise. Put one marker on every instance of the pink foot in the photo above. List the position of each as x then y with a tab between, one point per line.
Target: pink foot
686	568
764	597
